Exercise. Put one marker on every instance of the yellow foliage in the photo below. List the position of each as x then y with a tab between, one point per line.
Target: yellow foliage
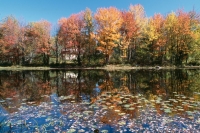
171	21
140	16
154	27
109	21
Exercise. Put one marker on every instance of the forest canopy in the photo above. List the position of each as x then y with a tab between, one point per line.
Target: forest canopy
107	36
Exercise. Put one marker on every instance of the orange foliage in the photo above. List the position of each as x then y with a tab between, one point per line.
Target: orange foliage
109	22
158	23
38	35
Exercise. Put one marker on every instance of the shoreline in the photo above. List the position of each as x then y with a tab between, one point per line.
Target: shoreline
107	67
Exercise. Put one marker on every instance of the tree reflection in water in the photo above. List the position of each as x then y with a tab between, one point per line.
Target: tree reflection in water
88	100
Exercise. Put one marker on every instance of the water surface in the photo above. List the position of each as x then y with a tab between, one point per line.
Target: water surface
100	101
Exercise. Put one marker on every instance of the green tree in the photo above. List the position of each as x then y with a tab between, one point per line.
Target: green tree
89	41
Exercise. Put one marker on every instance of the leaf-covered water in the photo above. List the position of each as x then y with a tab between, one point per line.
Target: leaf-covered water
100	101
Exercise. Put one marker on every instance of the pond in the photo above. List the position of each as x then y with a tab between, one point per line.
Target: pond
100	101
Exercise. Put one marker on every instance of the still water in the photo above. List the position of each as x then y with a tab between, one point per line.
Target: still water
100	101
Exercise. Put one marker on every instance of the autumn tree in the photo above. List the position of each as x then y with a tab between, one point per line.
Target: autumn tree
137	46
155	38
56	48
70	34
185	37
195	45
9	31
128	31
179	36
170	28
109	22
44	44
89	41
1	40
139	15
38	40
21	42
30	43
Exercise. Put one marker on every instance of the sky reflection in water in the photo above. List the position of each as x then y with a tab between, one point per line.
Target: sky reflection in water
100	101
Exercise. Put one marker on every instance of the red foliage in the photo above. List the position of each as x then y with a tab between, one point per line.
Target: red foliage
129	27
70	30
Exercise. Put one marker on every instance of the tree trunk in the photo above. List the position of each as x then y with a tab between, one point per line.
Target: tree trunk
129	54
107	58
45	59
79	56
56	50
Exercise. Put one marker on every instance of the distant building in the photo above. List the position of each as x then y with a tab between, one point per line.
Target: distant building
70	53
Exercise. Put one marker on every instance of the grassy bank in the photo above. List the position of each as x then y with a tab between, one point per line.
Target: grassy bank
24	68
107	67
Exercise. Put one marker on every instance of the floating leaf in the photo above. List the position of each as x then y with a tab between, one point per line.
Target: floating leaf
180	109
121	123
120	102
131	108
2	101
122	113
117	110
70	116
71	130
81	131
104	131
127	105
8	98
167	110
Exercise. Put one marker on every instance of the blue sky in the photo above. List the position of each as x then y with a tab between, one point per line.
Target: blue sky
53	10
